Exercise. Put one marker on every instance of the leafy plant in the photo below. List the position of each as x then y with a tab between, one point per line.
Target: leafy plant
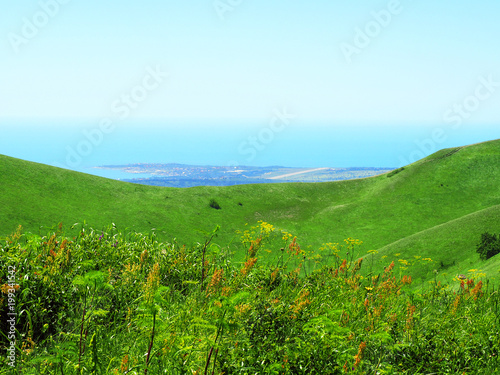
129	304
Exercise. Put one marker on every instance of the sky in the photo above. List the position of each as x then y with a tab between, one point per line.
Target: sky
239	82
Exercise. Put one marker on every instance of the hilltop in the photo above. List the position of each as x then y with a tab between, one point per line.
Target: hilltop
437	206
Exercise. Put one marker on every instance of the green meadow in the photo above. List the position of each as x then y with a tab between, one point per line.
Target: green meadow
370	276
437	207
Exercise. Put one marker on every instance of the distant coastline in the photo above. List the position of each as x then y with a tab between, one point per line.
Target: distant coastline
184	175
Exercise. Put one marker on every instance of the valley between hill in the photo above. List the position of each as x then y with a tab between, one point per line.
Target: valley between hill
436	207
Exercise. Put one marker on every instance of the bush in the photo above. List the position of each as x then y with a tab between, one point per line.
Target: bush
489	245
213	203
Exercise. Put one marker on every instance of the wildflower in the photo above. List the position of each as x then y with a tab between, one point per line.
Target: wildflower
357	266
476	292
388	269
144	256
294	247
343	266
456	302
6	288
216	280
29	344
243	308
358	356
301	302
394	317
124	364
406	280
129	275
248	266
63	244
410	311
404	262
153	282
378	310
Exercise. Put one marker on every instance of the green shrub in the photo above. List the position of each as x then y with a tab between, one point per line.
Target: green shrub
489	245
214	204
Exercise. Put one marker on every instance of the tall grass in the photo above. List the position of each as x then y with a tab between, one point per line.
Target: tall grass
108	302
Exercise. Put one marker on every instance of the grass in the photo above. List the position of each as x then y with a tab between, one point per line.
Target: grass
112	302
424	196
451	245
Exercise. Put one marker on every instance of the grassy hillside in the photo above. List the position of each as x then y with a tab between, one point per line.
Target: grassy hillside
424	198
451	246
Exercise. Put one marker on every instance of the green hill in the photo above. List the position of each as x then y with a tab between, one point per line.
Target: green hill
451	246
435	204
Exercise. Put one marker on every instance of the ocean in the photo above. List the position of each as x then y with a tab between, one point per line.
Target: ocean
84	144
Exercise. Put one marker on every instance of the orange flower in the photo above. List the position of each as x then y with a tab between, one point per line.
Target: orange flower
406	280
301	302
358	356
410	311
294	247
343	266
248	266
6	288
152	283
366	303
216	280
254	247
476	292
124	364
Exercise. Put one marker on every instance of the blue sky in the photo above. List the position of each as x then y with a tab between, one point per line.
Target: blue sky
398	72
